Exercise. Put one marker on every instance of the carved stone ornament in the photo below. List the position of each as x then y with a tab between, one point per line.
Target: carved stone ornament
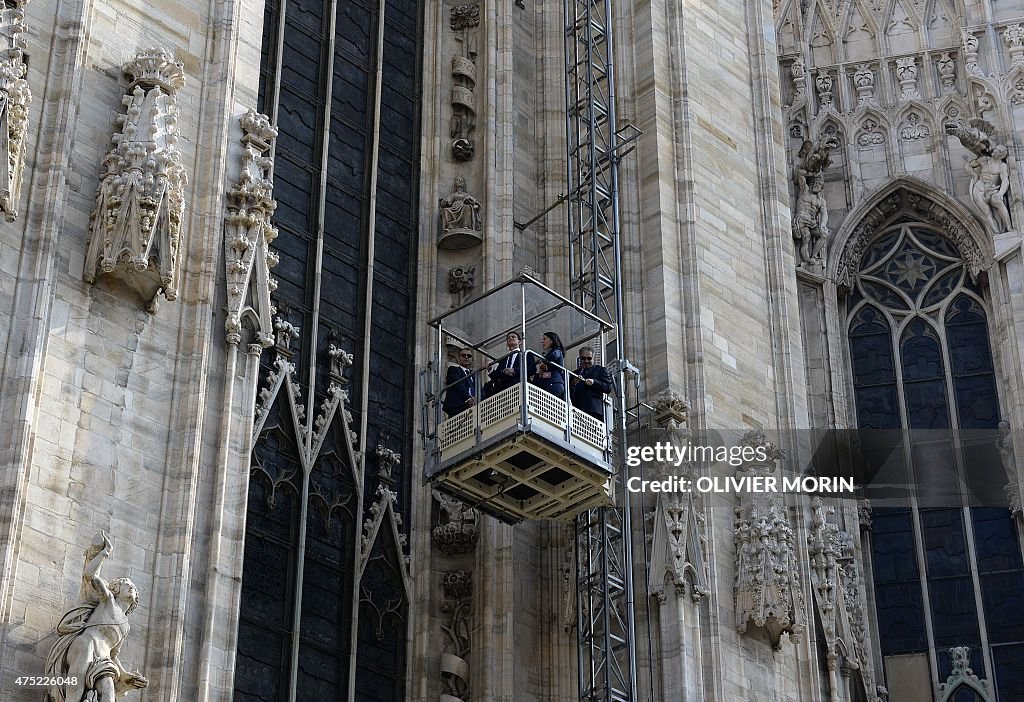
456	529
883	213
386	461
91	635
1009	461
823	82
464	19
835	582
767	590
461	279
947	73
460	219
457	628
135	228
906	74
679	543
14	99
970	46
961	677
864	80
248	234
990	176
1013	35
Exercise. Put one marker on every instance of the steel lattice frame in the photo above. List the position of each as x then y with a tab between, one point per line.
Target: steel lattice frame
607	651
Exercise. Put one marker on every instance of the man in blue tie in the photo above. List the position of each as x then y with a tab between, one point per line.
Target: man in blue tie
505	373
461	385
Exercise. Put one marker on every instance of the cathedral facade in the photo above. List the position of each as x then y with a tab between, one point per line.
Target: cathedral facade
228	224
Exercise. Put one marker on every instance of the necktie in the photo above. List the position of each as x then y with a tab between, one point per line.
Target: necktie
511	360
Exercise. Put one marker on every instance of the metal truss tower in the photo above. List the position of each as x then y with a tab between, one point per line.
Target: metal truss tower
607	650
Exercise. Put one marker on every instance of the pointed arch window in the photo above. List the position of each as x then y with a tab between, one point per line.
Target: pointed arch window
946	573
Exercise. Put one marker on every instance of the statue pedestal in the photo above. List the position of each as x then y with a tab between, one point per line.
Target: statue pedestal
1005	243
459	238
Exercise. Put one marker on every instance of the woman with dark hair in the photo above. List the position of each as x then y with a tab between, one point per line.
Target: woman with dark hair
548	372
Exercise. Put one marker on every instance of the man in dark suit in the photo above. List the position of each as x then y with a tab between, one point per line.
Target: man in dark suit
505	373
595	382
461	385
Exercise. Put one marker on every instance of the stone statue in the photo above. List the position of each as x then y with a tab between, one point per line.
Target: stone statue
810	219
460	218
90	635
990	176
989	183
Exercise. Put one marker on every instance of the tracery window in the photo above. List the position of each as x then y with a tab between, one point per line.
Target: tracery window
324	597
946	571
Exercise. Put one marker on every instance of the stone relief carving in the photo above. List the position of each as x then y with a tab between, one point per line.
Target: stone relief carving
456	529
460	218
90	636
810	218
990	176
464	18
906	74
767	589
458	627
914	128
461	281
870	133
15	96
864	80
248	235
135	228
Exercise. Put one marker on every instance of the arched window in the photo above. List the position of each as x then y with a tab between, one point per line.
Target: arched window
946	572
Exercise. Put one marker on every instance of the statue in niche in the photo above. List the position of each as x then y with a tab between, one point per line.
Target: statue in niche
810	219
90	636
990	176
460	218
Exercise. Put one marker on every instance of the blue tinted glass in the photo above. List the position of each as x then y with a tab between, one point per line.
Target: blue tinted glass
945	548
1008	662
871	356
954	615
879	249
942	287
910	269
892	545
1003	597
900	618
937	243
923	376
884	294
995	539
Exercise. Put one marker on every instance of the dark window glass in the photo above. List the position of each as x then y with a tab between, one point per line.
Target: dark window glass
900	618
945	548
954	614
1008	663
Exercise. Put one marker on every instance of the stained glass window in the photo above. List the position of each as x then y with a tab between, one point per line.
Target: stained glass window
921	361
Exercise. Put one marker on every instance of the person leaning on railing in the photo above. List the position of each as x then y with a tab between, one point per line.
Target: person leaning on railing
547	372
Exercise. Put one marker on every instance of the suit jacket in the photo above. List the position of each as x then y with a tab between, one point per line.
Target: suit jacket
590	398
499	380
456	395
553	380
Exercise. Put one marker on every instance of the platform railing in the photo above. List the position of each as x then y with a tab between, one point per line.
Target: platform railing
495	413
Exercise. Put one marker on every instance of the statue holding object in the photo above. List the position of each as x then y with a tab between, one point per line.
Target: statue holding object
990	176
90	635
810	218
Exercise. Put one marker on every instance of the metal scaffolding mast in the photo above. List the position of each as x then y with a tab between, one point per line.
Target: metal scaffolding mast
607	650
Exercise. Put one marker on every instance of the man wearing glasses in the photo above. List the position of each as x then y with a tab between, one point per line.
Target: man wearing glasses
461	385
594	383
